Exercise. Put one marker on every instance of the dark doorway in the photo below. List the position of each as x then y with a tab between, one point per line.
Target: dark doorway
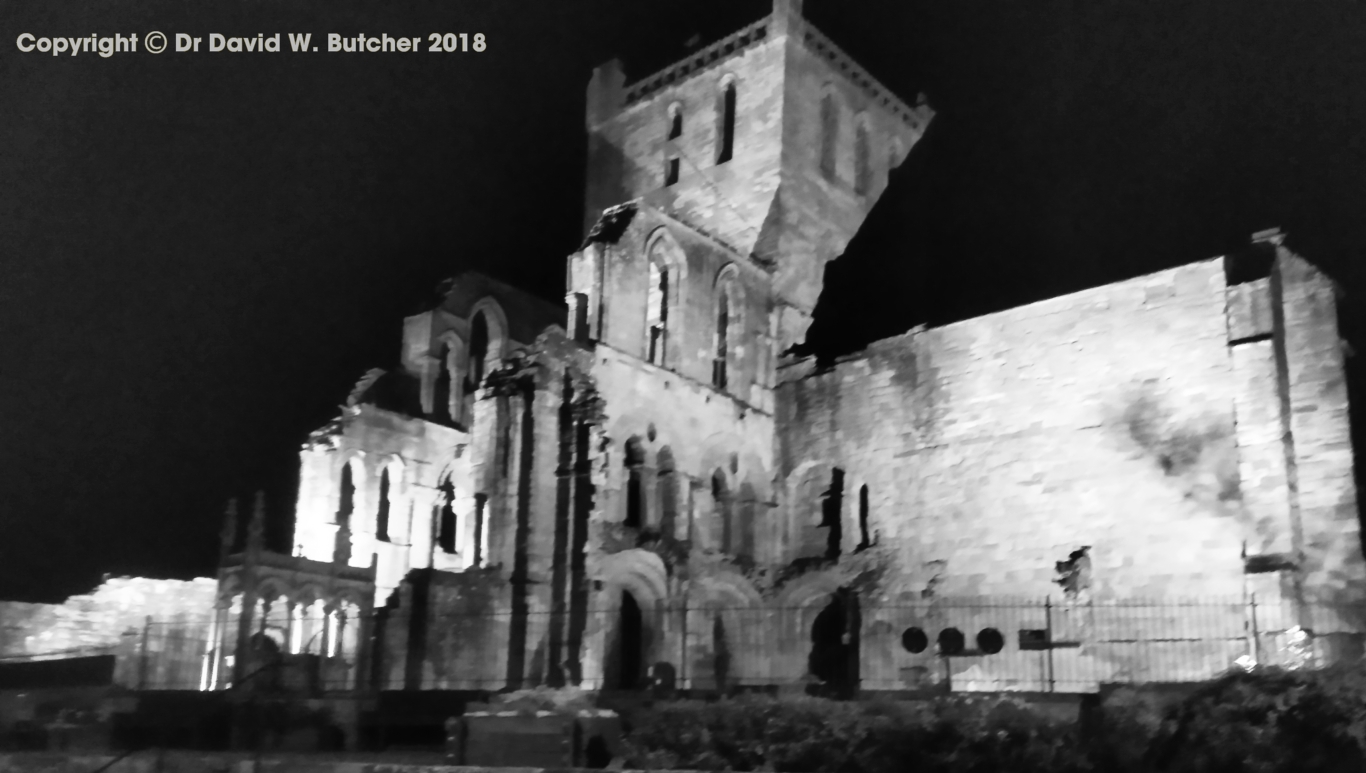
835	646
630	640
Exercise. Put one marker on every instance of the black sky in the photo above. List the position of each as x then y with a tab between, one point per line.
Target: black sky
200	253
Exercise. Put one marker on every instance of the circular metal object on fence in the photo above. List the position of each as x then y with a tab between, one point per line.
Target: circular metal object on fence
951	641
914	640
990	641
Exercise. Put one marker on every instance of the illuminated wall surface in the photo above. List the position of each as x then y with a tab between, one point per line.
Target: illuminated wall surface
1155	475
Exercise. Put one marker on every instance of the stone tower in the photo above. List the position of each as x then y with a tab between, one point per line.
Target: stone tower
771	140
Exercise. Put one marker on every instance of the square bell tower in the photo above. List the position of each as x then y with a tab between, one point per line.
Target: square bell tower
772	140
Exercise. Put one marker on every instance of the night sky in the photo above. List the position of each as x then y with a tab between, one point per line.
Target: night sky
201	253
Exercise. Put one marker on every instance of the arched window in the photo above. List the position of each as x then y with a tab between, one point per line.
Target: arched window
441	394
863	171
474	370
832	509
725	130
830	129
720	500
668	492
746	521
675	122
347	503
727	317
635	488
382	514
447	523
864	535
657	301
479	351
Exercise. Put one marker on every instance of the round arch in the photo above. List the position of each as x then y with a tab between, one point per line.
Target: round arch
496	320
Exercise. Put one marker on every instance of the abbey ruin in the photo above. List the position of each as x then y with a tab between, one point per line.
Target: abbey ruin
651	483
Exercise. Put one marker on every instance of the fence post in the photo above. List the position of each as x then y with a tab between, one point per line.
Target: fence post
1048	638
142	655
1256	650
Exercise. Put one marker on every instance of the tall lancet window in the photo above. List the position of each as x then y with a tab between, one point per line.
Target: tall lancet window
441	393
830	130
725	131
479	350
728	308
657	300
635	485
446	519
675	122
382	514
863	171
474	371
347	502
718	366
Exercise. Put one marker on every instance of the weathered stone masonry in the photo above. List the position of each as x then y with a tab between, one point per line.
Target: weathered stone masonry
646	480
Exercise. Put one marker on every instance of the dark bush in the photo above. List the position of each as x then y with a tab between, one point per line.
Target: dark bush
1271	721
811	735
1267	721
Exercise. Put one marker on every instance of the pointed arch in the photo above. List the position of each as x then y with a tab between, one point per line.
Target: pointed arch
664	269
721	501
863	165
346	491
634	459
441	388
725	119
830	133
668	490
447	525
675	115
728	310
865	536
383	506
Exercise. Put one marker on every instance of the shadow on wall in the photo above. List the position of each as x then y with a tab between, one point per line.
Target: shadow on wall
1199	454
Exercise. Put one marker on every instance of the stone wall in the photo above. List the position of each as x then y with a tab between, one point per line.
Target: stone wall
114	619
1141	419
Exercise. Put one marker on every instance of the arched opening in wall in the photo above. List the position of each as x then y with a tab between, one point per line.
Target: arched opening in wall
832	507
863	170
668	492
830	127
725	313
720	502
346	503
865	539
635	487
746	521
720	650
657	301
834	647
725	134
382	514
675	122
441	391
626	659
478	361
446	520
578	314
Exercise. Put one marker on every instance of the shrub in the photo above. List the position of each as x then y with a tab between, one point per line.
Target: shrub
1269	720
813	735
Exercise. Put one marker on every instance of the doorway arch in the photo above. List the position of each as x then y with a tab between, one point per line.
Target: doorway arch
625	666
834	657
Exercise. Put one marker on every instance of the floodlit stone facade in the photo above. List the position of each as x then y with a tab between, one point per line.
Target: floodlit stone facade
647	480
